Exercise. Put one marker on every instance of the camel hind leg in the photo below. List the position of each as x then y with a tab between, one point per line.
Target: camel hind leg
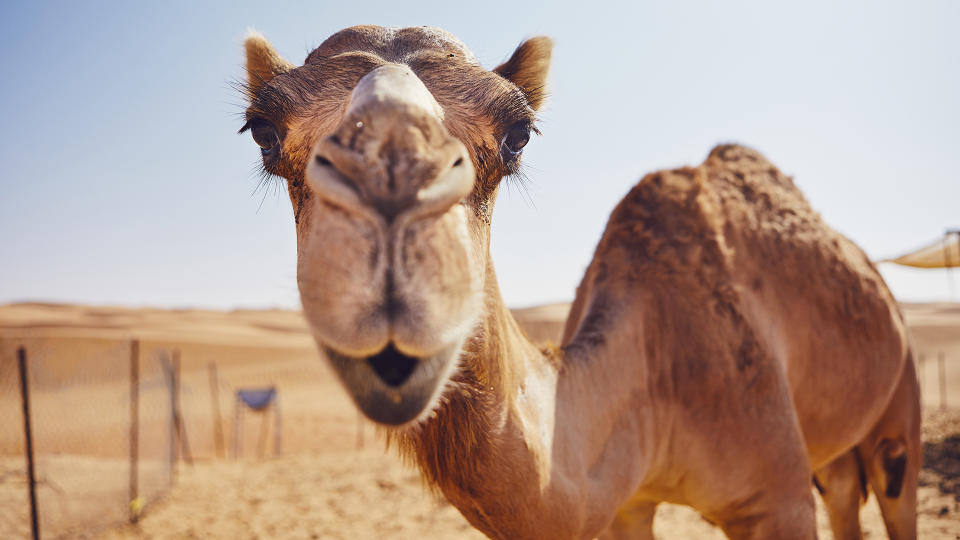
891	456
842	486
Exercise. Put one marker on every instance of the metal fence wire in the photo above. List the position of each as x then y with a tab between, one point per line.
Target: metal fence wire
111	418
101	415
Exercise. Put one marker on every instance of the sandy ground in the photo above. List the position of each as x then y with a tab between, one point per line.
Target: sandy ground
333	478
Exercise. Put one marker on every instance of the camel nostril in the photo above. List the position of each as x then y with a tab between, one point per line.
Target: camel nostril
322	161
392	366
458	162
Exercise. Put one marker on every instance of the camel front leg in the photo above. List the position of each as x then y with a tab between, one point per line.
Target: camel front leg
842	486
634	521
784	515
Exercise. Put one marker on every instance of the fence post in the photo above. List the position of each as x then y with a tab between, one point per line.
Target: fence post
28	437
922	359
134	429
277	426
218	442
943	380
172	450
359	429
237	426
178	411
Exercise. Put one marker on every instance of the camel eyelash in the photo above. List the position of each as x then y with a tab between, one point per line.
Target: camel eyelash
266	182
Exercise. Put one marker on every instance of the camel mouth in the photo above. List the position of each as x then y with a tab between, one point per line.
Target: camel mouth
392	366
391	387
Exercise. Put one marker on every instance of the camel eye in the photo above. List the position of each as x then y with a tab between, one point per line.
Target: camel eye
265	135
515	139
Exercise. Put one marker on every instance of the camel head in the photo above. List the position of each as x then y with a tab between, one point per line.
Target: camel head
393	143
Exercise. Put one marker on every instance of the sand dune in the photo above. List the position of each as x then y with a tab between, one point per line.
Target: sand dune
324	485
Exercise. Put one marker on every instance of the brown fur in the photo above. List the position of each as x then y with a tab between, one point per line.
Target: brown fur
307	101
733	246
723	345
263	63
527	68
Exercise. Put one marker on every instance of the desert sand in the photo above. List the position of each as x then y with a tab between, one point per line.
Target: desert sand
332	478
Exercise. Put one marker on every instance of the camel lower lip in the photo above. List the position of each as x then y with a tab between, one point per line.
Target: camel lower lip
393	395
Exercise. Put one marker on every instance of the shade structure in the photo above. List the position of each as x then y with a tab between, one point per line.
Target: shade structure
944	253
257	398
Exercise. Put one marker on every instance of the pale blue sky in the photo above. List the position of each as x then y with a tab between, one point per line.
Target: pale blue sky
123	181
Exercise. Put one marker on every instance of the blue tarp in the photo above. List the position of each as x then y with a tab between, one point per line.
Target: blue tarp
257	398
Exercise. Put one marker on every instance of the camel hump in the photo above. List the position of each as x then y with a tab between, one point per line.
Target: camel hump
735	153
748	166
662	221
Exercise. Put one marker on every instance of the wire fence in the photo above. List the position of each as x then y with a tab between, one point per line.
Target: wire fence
112	418
937	377
101	423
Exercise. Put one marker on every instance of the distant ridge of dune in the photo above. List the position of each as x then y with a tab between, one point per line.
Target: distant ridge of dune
273	327
937	324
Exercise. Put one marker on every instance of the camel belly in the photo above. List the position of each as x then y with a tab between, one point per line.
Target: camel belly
841	370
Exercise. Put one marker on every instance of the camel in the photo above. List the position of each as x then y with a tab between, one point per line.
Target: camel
726	349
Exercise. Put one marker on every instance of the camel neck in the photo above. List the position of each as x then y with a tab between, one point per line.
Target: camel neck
493	446
497	415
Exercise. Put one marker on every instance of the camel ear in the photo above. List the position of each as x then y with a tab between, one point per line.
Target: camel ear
528	68
263	62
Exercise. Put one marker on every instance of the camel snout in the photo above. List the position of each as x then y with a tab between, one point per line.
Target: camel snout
391	155
394	188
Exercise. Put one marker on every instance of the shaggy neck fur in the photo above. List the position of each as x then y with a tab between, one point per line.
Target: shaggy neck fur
486	419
